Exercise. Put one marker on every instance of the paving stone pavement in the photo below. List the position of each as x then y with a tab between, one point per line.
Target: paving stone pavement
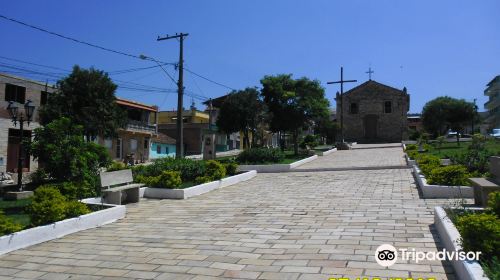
363	155
309	225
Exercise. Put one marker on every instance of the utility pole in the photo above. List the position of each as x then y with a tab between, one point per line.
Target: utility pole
179	144
474	115
341	82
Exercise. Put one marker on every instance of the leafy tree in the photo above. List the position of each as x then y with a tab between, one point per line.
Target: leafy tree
327	129
241	111
293	104
65	155
445	113
87	98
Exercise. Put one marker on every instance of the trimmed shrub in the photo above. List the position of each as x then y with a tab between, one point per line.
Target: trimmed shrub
413	154
116	165
215	170
231	168
76	208
168	180
7	226
480	232
427	163
202	180
48	206
494	203
189	169
452	175
260	155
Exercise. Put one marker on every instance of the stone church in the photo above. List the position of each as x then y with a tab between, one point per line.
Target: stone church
374	113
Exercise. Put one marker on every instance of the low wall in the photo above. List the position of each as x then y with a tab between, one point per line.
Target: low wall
325	153
32	236
160	193
449	235
276	168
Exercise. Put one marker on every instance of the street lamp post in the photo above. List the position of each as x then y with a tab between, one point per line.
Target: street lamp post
17	116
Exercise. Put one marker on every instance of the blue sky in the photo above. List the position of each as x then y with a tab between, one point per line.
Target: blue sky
433	48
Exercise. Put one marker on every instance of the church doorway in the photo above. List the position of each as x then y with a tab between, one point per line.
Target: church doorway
371	123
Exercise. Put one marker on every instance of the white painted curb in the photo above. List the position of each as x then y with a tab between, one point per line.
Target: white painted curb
196	190
439	191
449	235
32	236
325	153
276	168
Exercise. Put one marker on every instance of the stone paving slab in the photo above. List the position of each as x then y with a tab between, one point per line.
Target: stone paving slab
364	155
275	226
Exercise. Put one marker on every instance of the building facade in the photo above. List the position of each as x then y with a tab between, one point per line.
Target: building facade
493	105
18	90
374	113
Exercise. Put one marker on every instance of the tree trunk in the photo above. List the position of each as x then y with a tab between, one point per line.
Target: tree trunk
296	142
245	140
282	141
458	139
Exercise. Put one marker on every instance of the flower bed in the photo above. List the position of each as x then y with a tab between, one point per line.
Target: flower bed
440	191
162	193
273	168
35	235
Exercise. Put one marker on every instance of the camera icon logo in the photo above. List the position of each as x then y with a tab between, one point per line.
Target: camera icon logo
386	255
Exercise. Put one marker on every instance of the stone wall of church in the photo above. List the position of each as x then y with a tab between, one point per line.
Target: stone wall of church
371	124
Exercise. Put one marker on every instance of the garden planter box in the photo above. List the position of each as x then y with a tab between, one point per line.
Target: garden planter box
439	191
32	236
325	153
196	190
275	168
449	235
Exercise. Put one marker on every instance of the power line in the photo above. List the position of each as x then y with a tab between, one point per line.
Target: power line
205	78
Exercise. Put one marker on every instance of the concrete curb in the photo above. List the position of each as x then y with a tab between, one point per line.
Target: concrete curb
36	235
439	191
196	190
325	153
449	235
276	168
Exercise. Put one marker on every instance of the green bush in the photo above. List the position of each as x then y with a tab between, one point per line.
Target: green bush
189	169
48	206
492	268
231	168
494	203
411	147
116	165
215	170
480	232
39	177
413	154
427	163
76	208
260	155
202	180
7	226
451	175
309	141
169	180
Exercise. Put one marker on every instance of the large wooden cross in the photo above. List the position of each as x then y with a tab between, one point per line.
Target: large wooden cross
341	82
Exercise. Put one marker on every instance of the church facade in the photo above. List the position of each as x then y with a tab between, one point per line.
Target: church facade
374	113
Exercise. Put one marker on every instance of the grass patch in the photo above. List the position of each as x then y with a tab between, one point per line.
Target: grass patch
451	149
16	210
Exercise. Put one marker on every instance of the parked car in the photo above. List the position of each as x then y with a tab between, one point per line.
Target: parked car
495	133
452	134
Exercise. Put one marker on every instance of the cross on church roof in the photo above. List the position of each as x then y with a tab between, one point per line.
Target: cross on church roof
370	72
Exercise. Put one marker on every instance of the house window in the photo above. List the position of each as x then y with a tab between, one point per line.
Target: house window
43	97
133	145
108	143
158	149
15	93
388	107
166	150
353	108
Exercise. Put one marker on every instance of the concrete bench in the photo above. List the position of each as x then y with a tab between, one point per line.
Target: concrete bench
117	187
483	187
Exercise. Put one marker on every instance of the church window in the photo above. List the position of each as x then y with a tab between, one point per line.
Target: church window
388	107
354	108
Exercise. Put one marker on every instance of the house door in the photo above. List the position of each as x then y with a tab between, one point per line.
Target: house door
13	150
371	123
